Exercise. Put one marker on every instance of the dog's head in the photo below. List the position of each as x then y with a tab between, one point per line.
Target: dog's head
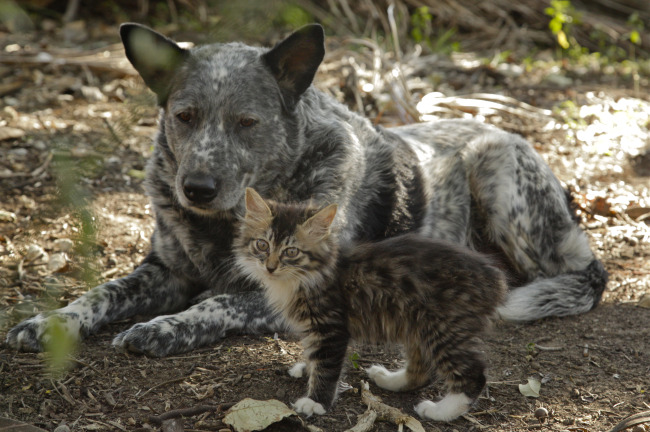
228	110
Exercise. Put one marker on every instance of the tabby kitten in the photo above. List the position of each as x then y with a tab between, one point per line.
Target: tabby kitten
432	297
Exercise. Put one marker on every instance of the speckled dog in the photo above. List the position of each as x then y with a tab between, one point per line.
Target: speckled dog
234	116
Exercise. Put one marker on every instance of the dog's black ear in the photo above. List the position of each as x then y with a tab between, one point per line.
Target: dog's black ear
154	56
294	61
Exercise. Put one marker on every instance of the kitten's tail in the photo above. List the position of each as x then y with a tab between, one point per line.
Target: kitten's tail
571	293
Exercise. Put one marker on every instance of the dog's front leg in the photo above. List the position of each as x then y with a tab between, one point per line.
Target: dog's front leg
202	324
150	289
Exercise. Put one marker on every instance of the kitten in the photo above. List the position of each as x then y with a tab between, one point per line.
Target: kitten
433	297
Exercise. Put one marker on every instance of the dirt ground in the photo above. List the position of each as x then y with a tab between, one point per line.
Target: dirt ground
74	136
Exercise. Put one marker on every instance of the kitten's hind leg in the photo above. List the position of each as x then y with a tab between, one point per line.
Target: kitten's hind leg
298	370
393	381
463	372
413	376
447	409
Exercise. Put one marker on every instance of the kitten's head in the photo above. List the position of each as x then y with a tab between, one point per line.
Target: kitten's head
285	243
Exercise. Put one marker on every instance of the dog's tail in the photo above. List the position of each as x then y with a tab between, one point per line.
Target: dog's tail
570	293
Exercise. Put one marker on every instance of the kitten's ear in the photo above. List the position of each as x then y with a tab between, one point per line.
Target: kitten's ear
318	225
154	56
256	207
294	62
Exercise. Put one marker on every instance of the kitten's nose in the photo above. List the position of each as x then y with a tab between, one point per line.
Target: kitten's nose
271	269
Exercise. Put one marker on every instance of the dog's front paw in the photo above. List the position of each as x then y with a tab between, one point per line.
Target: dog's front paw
35	333
298	370
156	338
308	407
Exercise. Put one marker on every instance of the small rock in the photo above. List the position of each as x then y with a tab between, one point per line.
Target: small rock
19	153
35	252
62	428
541	414
93	94
57	263
7	216
63	245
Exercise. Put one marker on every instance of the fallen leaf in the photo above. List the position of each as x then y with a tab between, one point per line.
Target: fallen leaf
644	301
253	415
531	389
17	426
7	133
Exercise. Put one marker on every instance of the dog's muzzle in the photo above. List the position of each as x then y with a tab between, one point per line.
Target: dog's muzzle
199	189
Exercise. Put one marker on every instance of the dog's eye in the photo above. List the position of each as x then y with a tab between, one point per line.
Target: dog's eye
262	245
291	252
184	116
247	122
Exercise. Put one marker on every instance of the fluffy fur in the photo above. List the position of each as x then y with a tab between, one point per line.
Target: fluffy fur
431	296
234	116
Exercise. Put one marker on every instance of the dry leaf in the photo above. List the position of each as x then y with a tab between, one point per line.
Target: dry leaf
531	389
644	301
7	133
253	415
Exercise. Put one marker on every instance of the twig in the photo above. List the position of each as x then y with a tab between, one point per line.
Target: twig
365	422
164	384
65	395
545	348
189	412
386	412
633	420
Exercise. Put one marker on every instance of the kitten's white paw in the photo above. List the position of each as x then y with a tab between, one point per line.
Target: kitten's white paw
298	370
393	381
449	408
308	407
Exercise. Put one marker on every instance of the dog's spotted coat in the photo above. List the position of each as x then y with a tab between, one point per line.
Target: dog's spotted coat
234	116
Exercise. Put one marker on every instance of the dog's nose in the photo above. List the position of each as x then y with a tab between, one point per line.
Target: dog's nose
199	189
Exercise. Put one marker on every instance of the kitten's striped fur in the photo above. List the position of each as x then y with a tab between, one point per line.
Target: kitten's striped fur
431	296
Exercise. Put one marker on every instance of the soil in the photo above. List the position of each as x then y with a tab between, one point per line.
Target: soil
74	138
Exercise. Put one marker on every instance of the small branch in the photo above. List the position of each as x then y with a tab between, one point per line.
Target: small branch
633	420
382	412
164	384
189	412
365	422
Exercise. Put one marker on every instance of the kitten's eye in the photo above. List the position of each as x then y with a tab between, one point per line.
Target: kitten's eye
291	252
262	245
247	122
184	116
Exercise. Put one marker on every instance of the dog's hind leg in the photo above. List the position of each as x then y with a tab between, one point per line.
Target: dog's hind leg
527	216
448	214
149	289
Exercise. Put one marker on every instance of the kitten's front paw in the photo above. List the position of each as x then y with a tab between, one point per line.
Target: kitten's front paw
393	381
448	409
308	407
298	370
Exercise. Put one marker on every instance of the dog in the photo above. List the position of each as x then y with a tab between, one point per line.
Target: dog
236	116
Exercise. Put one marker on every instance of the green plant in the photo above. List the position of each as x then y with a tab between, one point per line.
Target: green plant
563	18
354	358
422	33
421	24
